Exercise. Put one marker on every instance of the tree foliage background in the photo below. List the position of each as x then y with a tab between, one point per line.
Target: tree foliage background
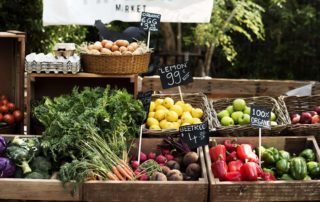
290	49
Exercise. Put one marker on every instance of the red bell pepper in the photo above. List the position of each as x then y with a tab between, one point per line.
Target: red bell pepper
235	165
232	156
250	171
219	169
218	152
230	145
245	152
233	176
267	176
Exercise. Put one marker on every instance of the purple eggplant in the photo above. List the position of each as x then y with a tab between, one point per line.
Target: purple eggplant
7	167
3	145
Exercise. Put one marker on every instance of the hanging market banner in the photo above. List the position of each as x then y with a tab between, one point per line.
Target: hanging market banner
85	12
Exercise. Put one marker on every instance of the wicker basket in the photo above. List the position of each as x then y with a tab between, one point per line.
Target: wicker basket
197	100
115	64
247	130
298	104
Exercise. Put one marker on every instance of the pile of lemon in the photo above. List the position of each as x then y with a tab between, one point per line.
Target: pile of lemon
166	114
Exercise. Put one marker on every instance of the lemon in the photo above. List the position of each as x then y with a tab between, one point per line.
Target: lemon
168	102
196	121
186	117
158	102
160	114
187	108
179	121
152	107
172	116
196	113
159	107
185	124
155	127
152	121
163	123
180	103
168	125
177	108
176	125
151	114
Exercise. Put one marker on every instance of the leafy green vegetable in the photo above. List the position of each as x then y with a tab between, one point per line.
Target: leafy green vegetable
41	164
37	175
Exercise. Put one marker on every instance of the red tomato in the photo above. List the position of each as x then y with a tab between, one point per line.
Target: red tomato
9	119
18	115
1	117
4	109
11	106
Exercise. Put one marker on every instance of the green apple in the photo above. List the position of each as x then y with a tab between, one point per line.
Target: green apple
236	116
239	104
273	123
223	113
227	121
247	110
230	109
244	119
273	117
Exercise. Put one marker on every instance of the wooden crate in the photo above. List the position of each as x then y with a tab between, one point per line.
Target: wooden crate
12	53
296	190
52	85
231	88
36	189
149	190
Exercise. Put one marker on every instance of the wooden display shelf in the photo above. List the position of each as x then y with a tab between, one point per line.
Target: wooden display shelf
12	54
230	88
296	190
52	85
149	190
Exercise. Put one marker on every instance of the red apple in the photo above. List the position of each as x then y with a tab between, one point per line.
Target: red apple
313	113
317	109
295	118
305	118
315	119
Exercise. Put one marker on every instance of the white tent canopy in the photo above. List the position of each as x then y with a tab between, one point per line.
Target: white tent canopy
85	12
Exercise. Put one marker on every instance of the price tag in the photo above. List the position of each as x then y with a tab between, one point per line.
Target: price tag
145	98
175	75
260	117
195	135
150	21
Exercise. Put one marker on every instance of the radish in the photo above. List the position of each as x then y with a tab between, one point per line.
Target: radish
144	178
161	159
134	164
169	157
152	155
143	157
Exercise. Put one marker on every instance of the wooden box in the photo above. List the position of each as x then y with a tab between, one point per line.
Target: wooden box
149	190
35	189
12	53
296	190
52	85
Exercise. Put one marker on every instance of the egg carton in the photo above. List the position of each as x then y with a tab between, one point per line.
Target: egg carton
55	67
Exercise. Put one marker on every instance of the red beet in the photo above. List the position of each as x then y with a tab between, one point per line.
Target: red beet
152	155
169	157
134	164
161	159
144	178
165	151
143	157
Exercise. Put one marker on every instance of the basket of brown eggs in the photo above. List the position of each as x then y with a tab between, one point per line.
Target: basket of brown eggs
118	57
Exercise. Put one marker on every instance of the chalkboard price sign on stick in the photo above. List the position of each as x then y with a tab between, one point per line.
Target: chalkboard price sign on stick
260	117
145	99
175	75
150	21
195	135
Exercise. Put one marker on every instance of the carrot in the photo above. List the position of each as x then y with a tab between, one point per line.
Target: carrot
126	168
112	176
123	172
117	173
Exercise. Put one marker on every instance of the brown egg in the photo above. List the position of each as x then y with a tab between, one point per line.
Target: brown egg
134	45
105	51
116	53
108	44
103	42
94	52
130	48
122	49
122	43
97	45
127	53
91	46
114	48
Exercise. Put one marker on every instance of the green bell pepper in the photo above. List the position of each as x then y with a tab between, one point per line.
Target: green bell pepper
284	154
306	178
285	177
308	154
270	156
283	166
313	169
298	168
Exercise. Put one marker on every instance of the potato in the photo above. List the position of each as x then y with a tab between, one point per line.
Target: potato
122	49
174	175
108	44
114	48
94	52
173	165
130	48
116	53
105	51
165	169
126	53
134	45
190	157
122	43
104	42
194	171
97	45
157	176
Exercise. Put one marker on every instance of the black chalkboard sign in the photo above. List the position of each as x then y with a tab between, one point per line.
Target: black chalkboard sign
175	75
260	117
195	135
150	21
146	100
